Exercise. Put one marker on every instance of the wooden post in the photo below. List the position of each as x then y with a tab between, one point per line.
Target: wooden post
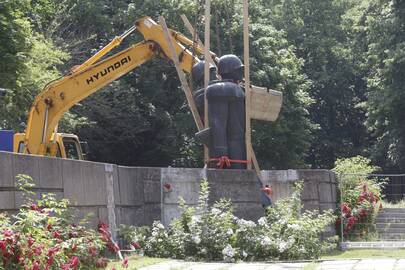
250	154
112	222
207	56
182	77
248	138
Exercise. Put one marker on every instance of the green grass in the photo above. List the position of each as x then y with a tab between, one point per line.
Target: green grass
364	254
135	262
358	254
311	266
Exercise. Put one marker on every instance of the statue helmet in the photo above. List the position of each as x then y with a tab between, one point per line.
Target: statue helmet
229	64
197	72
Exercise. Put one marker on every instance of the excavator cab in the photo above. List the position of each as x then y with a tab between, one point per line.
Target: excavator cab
71	146
68	145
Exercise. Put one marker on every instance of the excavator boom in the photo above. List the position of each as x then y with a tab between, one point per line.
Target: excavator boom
59	96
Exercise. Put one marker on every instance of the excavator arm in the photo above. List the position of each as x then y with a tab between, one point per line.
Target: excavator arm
59	96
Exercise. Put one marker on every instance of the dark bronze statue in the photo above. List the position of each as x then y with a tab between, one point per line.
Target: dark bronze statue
226	110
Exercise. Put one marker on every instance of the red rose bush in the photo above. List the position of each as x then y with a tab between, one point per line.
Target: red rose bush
360	198
42	236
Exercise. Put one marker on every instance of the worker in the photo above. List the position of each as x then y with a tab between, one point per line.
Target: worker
226	110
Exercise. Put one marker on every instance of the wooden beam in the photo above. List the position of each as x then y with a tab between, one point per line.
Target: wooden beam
256	166
182	77
207	56
195	36
248	138
192	31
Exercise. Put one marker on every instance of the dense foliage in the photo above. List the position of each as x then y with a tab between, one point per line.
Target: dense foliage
338	63
318	31
214	233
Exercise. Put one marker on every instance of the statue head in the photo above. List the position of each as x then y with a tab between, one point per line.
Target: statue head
197	73
230	67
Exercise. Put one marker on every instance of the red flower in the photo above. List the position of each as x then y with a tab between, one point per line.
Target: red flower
19	259
30	241
103	225
38	250
345	209
3	245
338	221
103	229
93	251
7	233
113	247
73	235
125	262
105	237
7	255
50	261
35	266
363	212
56	234
34	207
371	196
350	222
74	262
362	197
136	245
101	262
65	266
52	251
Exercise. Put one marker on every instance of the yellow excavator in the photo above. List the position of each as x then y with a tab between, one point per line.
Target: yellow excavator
41	136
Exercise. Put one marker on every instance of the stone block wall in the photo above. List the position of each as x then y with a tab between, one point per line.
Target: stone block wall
135	195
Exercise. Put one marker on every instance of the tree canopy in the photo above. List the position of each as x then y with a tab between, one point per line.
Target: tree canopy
339	64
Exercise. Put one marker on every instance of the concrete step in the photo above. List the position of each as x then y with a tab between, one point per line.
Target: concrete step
387	225
391	236
389	220
373	245
391	215
391	230
392	210
390	225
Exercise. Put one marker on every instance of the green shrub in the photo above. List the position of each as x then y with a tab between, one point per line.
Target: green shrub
214	233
